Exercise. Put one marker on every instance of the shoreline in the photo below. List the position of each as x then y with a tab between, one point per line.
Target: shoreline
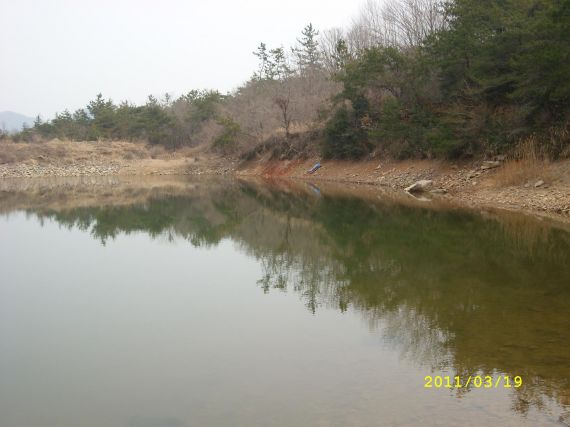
543	191
462	184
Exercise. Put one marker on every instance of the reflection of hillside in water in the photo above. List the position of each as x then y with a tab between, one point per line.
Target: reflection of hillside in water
450	290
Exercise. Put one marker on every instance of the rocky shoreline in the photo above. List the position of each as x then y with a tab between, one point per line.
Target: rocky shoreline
74	170
469	184
473	184
107	168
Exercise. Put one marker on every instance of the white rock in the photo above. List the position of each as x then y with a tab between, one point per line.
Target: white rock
419	186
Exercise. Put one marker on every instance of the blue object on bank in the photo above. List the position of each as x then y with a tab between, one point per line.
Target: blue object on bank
314	168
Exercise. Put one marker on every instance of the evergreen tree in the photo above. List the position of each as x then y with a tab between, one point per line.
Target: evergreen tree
542	66
279	64
265	67
307	52
341	55
102	113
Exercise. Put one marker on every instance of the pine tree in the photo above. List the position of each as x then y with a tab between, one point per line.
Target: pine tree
279	65
341	54
103	114
307	52
264	68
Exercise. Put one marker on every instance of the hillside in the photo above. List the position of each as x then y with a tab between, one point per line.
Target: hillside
418	79
13	122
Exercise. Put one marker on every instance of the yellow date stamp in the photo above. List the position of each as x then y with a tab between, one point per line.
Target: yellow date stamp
474	381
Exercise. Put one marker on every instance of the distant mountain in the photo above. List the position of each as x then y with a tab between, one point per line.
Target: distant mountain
12	122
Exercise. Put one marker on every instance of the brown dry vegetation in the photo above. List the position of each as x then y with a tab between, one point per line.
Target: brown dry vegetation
56	151
259	107
58	158
530	161
527	163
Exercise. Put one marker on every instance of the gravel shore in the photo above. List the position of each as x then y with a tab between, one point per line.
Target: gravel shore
39	170
475	184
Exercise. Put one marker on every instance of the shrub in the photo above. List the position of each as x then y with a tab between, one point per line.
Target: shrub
226	140
344	136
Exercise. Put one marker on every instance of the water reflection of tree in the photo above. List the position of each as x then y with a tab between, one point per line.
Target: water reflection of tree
456	292
451	291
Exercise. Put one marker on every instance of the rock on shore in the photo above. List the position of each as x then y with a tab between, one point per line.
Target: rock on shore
419	186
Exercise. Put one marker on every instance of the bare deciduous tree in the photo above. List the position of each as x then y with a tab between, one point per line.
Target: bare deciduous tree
329	42
399	23
409	22
282	103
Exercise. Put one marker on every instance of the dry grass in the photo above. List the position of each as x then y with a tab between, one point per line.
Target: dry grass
56	151
157	152
127	157
11	152
520	172
528	163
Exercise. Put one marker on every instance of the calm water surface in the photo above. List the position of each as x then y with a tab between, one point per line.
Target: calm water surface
232	304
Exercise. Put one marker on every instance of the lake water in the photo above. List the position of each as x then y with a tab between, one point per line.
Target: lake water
178	303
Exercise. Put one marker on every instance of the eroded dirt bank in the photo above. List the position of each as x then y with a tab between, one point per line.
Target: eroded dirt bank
537	188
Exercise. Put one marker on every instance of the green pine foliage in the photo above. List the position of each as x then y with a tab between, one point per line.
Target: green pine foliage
171	124
495	72
344	136
227	139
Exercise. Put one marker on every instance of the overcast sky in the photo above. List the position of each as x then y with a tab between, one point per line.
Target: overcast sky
58	54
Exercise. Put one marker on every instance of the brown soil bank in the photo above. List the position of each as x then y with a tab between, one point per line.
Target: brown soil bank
531	186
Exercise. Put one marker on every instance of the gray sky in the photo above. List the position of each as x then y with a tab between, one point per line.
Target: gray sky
59	54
